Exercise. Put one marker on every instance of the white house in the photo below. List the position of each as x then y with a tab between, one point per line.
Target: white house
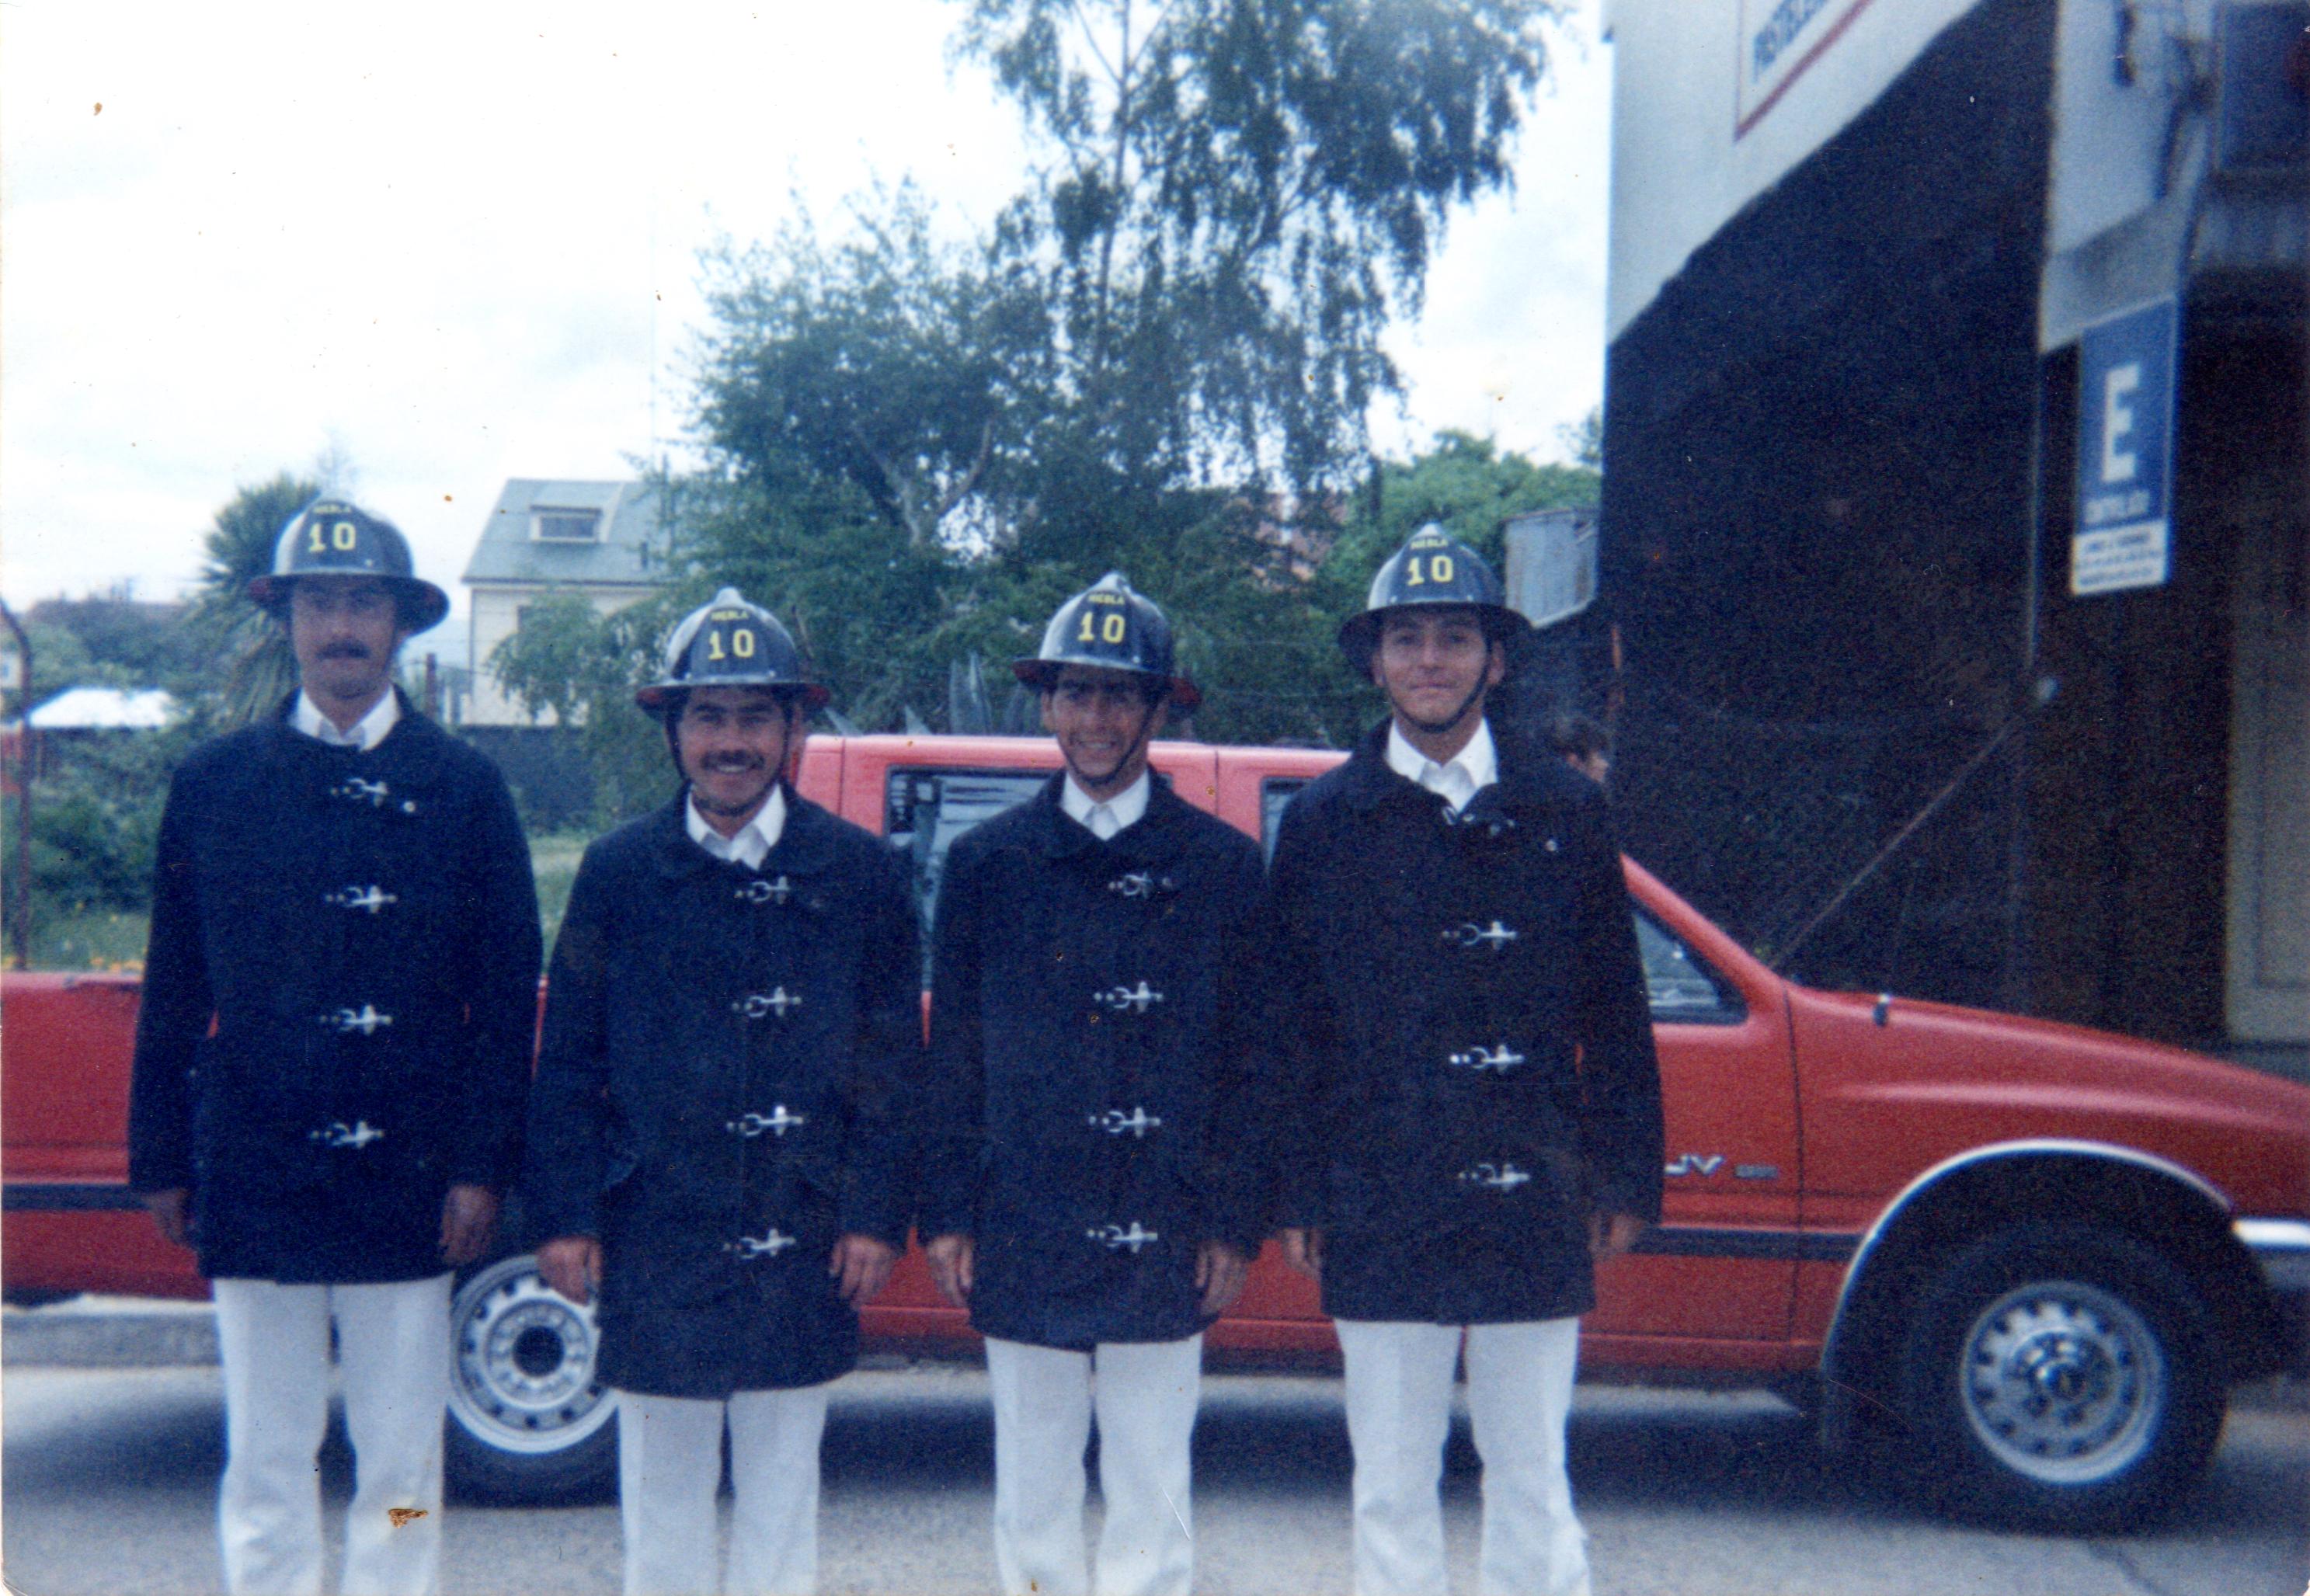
603	539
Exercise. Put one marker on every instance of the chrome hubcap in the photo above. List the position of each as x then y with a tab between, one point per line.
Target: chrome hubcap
2062	1382
524	1375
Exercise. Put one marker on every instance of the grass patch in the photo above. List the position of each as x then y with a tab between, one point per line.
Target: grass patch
90	939
554	860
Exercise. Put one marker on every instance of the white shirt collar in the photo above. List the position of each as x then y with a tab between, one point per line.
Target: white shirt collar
1459	778
1124	810
367	731
755	838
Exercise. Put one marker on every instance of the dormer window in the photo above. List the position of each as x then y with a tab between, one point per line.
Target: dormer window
556	525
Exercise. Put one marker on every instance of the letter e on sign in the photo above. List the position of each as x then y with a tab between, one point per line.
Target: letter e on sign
2126	390
2118	463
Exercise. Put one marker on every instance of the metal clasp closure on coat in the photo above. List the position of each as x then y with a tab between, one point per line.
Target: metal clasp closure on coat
1500	1177
371	899
1502	1058
1114	1122
1124	1000
760	1246
755	1004
1492	821
1142	883
1115	1237
778	1123
376	794
357	1135
757	891
366	1020
1472	935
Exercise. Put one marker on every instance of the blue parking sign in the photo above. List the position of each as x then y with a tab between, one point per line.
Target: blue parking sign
2125	451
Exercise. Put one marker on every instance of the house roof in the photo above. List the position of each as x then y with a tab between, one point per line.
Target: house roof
629	552
104	710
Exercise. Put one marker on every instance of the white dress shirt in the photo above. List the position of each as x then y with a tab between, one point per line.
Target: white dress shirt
1459	778
755	838
367	733
1114	814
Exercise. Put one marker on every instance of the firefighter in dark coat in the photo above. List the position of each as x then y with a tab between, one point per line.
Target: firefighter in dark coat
733	1014
343	892
1464	1015
1092	1186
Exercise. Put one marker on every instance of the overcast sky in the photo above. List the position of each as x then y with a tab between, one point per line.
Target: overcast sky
452	242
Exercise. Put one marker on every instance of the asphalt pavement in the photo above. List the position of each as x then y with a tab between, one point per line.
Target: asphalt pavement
107	1476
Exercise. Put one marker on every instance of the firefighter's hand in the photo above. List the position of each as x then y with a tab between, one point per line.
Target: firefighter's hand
571	1265
861	1263
170	1209
1219	1270
1610	1235
951	1259
1303	1250
469	1216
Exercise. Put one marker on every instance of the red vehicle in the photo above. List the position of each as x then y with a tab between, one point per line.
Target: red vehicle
2050	1250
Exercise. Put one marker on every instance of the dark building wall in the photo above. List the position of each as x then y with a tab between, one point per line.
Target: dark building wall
2128	773
1816	528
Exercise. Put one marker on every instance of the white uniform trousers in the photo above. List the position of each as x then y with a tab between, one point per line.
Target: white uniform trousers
393	1348
670	1471
1144	1393
1399	1403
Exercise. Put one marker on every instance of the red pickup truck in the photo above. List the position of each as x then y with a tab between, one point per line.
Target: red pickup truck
2046	1253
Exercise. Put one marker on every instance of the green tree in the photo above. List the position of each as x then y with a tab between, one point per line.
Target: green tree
889	360
1467	483
560	658
260	668
96	818
1237	196
570	661
1160	361
1583	439
59	658
115	640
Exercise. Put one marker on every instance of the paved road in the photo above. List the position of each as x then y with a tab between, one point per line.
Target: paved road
110	1479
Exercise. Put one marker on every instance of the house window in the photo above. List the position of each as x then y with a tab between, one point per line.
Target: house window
565	526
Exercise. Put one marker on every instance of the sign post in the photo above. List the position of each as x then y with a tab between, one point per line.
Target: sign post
2126	369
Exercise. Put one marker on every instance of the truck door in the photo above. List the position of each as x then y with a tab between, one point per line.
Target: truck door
1722	1264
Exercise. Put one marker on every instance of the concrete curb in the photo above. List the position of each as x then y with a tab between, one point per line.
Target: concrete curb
91	1332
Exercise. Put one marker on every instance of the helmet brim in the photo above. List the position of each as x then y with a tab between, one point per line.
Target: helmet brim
420	604
1358	634
1043	674
658	695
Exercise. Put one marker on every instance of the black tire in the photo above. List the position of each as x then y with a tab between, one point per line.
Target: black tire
528	1424
2061	1376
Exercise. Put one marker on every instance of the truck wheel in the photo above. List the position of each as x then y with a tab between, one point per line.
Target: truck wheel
2062	1376
527	1422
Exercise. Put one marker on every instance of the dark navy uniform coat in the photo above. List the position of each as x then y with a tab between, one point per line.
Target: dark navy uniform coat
362	929
719	1092
1465	1035
1091	1119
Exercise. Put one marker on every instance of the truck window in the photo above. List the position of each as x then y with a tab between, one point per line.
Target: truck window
1274	793
923	811
1683	990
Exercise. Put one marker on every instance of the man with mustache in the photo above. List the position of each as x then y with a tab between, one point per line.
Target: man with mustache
733	1017
1460	1007
340	999
1093	1185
